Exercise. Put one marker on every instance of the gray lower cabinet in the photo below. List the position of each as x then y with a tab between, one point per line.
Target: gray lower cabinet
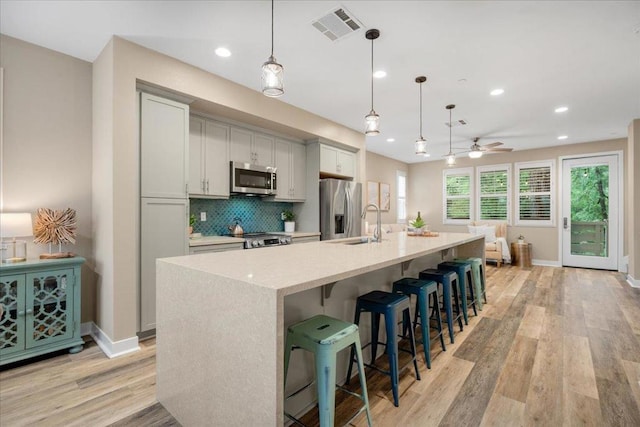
163	233
39	308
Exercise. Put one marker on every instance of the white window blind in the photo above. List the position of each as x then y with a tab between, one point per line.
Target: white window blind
401	183
494	194
535	193
456	188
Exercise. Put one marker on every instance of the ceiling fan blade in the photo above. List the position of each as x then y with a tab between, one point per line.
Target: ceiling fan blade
493	144
502	150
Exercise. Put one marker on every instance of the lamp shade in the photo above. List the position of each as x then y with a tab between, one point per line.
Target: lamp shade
475	154
15	225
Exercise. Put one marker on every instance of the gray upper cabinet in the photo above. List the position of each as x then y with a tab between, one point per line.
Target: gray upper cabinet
290	159
164	147
208	158
337	162
251	147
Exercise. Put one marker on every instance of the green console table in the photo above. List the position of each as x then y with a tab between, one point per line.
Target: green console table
39	308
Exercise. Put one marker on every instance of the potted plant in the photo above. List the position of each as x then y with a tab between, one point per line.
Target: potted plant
289	221
417	224
192	222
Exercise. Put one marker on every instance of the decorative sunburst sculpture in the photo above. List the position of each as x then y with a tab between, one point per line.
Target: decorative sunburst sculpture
57	227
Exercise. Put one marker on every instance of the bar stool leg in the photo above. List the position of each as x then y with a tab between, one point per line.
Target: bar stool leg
375	329
421	311
287	355
436	309
414	352
361	376
471	280
446	297
326	377
356	321
392	352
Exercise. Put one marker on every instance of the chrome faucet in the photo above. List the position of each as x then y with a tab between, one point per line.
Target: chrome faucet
377	233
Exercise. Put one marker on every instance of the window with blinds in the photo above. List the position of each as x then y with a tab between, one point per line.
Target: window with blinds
456	189
401	183
535	201
494	192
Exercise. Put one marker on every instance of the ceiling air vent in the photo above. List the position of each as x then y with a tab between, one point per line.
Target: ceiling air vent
455	123
337	24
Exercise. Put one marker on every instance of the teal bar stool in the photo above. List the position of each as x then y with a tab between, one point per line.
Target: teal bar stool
423	290
466	281
325	336
477	266
449	282
390	305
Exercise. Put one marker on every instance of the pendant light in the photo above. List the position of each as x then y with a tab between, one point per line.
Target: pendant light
272	72
451	158
372	119
421	143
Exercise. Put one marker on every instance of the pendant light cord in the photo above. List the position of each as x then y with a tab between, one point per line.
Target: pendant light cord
371	74
421	111
272	28
450	126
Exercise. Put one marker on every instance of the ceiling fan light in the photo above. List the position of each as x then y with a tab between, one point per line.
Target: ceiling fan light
451	159
475	154
272	78
372	121
421	146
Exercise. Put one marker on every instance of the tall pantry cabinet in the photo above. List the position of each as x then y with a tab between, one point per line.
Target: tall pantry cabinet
164	203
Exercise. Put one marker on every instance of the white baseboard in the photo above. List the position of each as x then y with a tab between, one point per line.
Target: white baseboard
113	348
635	283
546	263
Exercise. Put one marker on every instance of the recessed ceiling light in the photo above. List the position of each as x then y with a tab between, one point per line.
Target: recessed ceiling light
391	140
380	74
563	137
562	109
497	92
223	52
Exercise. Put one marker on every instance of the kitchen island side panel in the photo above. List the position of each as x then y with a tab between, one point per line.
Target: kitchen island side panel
218	349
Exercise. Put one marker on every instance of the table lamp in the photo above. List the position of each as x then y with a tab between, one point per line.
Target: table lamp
14	225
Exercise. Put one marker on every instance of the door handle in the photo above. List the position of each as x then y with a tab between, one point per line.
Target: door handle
564	222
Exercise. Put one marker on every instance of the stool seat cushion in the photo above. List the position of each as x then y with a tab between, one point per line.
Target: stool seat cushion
383	298
323	330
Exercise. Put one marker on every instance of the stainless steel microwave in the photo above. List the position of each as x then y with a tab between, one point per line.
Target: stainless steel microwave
247	178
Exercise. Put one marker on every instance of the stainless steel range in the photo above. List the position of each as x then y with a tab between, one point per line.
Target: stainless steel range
260	240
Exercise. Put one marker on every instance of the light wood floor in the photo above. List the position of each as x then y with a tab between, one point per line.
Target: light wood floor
554	346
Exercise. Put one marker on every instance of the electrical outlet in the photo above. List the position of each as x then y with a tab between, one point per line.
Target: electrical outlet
203	216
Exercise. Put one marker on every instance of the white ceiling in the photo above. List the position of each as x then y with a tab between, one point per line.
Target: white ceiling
585	55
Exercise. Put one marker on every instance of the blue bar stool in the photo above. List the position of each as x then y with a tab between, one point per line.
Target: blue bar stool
466	283
324	337
388	304
423	289
449	282
477	266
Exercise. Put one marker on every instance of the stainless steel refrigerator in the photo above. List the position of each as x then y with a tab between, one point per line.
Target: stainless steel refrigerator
340	209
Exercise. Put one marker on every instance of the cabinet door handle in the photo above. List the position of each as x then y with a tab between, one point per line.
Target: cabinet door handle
202	186
29	311
564	222
21	313
207	186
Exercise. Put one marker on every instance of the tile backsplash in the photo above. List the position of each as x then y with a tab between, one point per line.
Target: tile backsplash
254	213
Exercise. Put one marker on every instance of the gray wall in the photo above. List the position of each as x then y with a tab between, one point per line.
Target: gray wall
46	153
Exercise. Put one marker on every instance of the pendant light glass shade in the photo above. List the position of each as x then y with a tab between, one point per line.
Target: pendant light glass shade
421	143
272	72
421	147
451	158
272	78
372	120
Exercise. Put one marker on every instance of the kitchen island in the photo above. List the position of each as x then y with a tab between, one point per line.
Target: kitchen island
222	317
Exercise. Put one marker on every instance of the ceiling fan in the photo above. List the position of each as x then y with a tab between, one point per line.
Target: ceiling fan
476	150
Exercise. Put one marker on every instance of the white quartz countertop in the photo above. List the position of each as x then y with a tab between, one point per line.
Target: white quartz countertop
294	268
221	240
